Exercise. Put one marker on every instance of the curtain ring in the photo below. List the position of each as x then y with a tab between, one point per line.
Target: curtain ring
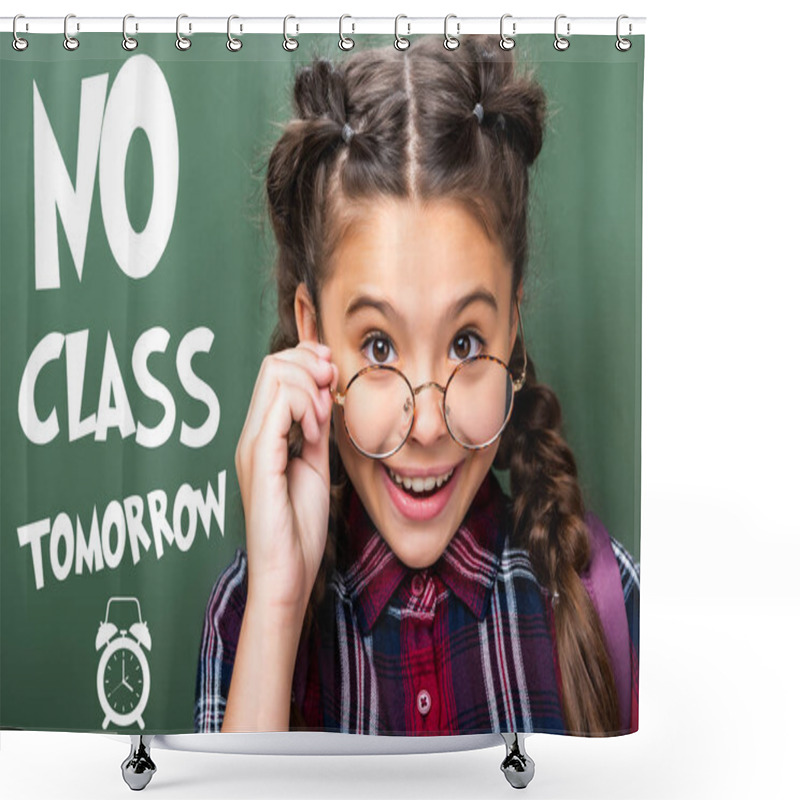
181	42
345	42
506	42
400	42
450	42
19	44
70	42
560	42
233	44
289	43
128	42
623	44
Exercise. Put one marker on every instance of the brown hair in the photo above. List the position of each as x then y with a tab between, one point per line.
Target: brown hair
414	132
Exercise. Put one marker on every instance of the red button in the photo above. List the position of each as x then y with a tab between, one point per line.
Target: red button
417	585
423	702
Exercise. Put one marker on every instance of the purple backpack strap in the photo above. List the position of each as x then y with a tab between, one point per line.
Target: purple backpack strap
604	585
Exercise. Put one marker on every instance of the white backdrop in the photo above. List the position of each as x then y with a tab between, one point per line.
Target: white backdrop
720	611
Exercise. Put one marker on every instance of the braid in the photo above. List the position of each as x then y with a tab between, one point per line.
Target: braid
548	514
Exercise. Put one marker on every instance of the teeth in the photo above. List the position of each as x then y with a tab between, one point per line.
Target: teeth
420	484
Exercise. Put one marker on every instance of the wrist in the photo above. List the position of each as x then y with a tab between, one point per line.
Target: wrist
272	612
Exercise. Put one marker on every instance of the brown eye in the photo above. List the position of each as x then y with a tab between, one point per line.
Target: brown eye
463	346
378	350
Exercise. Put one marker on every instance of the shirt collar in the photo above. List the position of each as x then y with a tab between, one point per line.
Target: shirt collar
468	565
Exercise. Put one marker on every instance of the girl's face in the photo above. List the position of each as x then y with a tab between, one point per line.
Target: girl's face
420	287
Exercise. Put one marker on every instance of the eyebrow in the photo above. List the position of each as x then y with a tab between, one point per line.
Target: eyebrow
366	301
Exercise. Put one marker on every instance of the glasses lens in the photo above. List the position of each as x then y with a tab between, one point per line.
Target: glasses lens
478	402
379	411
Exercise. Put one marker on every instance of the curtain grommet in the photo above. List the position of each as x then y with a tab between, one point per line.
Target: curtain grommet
128	42
622	44
18	43
233	44
451	42
70	42
400	42
560	43
181	42
289	42
507	42
345	42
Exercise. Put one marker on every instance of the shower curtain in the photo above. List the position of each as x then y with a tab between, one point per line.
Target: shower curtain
138	301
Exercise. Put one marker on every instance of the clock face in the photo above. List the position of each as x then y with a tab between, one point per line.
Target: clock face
123	681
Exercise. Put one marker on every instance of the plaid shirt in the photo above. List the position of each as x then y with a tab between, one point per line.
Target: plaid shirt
464	646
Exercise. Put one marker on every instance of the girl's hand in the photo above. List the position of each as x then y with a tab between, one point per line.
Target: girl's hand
286	502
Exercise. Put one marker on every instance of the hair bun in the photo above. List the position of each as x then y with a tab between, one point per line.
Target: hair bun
513	103
319	91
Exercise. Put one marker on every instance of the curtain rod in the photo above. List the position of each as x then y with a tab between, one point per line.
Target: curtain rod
598	26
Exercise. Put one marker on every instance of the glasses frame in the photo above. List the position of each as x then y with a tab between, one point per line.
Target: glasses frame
517	384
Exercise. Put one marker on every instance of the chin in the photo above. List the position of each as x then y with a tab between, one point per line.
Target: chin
416	557
418	544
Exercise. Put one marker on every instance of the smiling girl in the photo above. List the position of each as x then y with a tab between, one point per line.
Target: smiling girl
389	585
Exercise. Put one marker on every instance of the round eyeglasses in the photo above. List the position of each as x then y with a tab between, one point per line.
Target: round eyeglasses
379	404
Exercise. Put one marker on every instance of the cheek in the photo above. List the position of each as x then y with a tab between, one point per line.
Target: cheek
479	464
340	436
355	464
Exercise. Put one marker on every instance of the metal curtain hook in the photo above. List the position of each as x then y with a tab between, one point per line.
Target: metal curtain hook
400	42
506	42
560	42
128	42
288	42
19	44
181	42
451	42
623	44
233	44
70	42
345	42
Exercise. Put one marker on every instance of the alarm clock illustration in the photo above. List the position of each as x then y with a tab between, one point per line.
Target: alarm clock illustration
123	674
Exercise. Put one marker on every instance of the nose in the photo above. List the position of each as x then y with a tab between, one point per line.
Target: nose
429	425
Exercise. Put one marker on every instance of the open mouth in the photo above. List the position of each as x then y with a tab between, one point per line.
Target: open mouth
421	500
420	488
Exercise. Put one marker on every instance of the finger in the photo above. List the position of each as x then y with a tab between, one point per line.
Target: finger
298	375
262	401
256	385
324	353
318	366
306	351
316	451
291	404
335	380
277	372
317	347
